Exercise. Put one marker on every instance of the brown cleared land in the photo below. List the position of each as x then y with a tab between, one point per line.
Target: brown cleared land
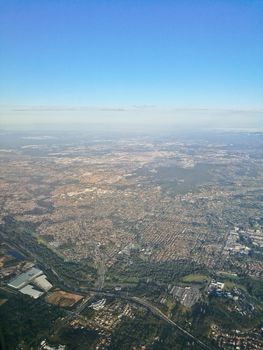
64	299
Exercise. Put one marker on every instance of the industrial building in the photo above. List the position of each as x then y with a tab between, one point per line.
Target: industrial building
31	291
34	276
25	277
42	283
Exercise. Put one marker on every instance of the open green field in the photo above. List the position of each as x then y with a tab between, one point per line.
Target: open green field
198	278
229	285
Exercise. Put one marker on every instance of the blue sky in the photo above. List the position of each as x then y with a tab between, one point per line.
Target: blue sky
110	54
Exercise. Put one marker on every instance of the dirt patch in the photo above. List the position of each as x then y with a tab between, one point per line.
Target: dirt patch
64	299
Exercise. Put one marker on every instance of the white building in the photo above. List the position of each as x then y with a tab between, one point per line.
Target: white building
42	283
31	291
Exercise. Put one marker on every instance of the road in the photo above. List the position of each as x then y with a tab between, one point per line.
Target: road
101	268
145	303
142	302
160	314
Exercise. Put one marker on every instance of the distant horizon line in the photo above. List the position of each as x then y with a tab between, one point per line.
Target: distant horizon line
122	127
119	108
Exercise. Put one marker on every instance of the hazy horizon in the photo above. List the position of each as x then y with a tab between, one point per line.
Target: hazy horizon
44	117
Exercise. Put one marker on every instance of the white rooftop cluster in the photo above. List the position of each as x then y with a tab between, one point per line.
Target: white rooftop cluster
26	281
98	304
